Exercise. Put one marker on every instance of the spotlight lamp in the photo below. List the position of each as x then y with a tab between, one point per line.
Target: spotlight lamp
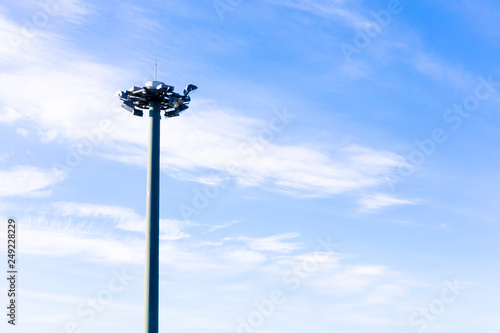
190	89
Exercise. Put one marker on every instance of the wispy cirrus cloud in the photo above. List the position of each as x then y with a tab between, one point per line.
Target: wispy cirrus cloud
86	230
79	231
123	218
277	243
223	225
350	280
24	34
26	180
438	70
379	201
59	233
340	9
198	144
93	210
347	285
297	169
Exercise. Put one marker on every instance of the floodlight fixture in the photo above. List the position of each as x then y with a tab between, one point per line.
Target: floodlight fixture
138	113
174	102
128	105
138	99
190	89
182	108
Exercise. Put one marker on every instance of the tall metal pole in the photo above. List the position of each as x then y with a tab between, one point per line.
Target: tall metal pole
156	96
152	274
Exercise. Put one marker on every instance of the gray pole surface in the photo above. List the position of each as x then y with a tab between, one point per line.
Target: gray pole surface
151	285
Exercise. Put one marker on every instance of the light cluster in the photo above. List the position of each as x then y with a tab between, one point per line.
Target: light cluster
137	99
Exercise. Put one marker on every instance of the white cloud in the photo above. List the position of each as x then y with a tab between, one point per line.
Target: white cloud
366	270
84	210
13	37
23	132
173	229
197	146
323	258
311	263
79	231
28	181
438	70
205	156
52	237
385	294
124	218
75	244
353	280
329	8
222	226
67	299
49	101
247	257
27	38
275	243
9	115
379	201
69	94
348	286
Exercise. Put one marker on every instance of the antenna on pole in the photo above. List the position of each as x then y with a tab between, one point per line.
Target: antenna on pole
156	67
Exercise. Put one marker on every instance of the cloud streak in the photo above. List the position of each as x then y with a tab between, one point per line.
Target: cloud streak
26	180
380	201
122	218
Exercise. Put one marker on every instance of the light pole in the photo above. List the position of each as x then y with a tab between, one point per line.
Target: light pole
156	97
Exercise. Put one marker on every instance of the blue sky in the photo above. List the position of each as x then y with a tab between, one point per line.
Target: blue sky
336	169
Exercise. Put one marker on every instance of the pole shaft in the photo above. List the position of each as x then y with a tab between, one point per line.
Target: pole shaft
151	301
